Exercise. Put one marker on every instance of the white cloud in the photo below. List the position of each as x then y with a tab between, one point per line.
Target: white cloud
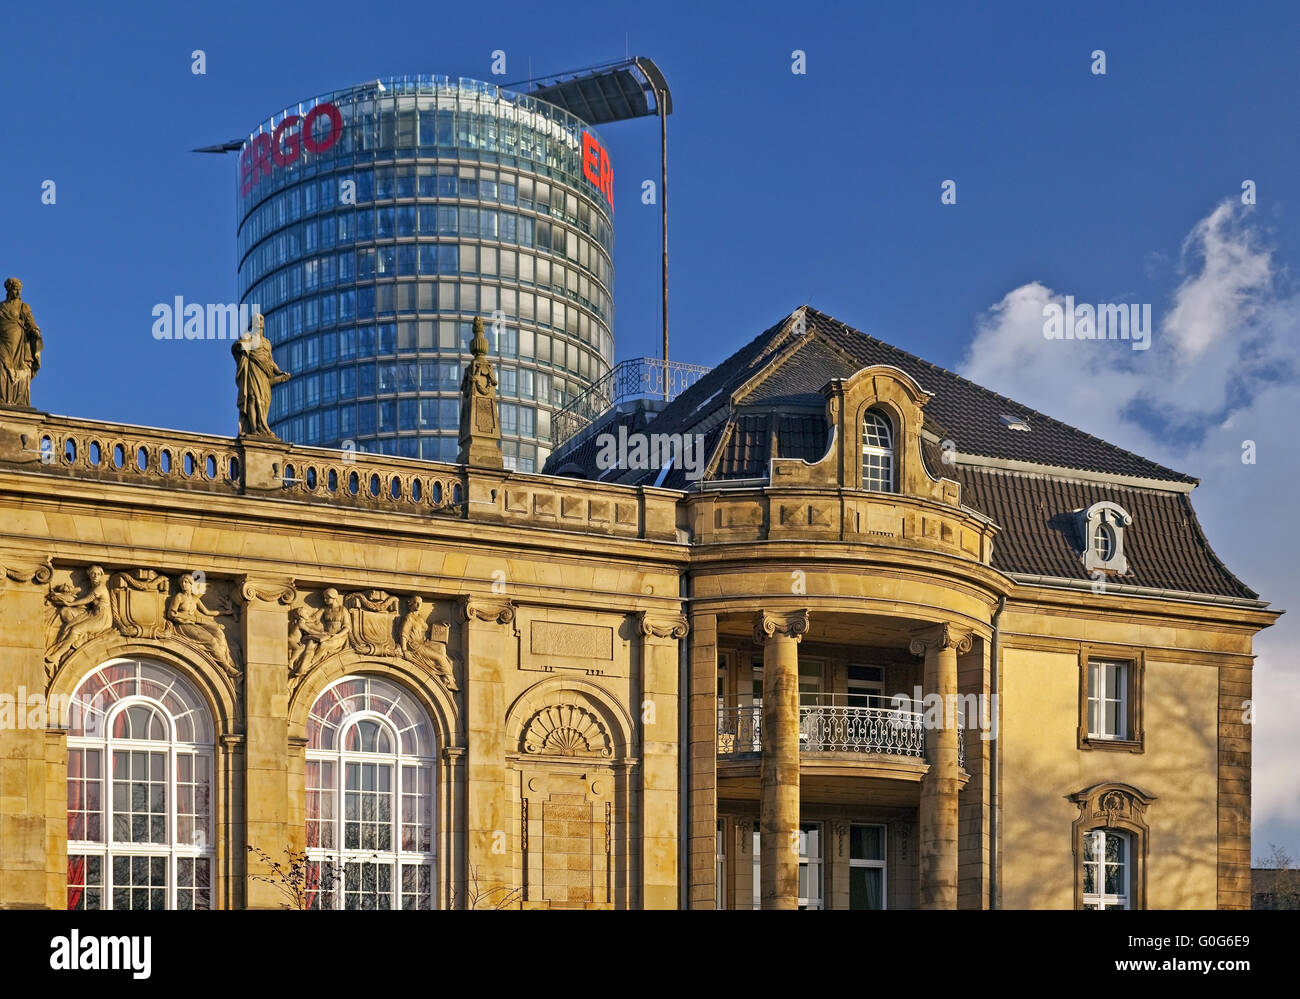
1221	370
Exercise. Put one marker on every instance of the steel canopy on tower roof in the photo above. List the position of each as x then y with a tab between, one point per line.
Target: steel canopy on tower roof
615	91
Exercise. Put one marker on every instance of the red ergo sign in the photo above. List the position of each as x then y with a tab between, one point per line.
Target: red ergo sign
283	146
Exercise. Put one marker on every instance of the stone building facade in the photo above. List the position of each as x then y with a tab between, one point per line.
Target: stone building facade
888	650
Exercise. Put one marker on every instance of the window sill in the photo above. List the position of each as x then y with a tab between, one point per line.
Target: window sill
1112	745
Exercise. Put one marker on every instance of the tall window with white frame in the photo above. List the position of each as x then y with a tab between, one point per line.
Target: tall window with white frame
867	867
877	452
1107	869
370	798
1107	699
140	764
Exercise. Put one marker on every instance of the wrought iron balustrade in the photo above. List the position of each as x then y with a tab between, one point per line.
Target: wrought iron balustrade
835	723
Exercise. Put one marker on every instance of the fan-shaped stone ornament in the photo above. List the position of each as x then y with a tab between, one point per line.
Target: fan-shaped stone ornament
566	730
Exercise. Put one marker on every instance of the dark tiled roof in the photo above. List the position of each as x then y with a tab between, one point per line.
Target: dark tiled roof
1165	546
776	380
971	414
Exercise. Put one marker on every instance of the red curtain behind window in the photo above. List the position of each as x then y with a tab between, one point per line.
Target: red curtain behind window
76	829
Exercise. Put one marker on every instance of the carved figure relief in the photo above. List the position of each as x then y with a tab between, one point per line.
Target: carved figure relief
138	604
368	624
314	635
425	643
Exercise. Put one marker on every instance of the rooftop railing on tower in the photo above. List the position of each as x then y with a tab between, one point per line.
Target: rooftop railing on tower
636	378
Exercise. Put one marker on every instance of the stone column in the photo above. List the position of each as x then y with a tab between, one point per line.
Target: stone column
267	815
488	656
938	812
779	635
659	638
33	820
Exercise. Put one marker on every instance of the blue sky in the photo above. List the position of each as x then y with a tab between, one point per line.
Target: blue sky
784	189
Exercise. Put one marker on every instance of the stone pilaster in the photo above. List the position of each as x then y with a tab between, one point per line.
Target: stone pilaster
779	634
702	763
28	828
268	824
938	811
659	738
488	657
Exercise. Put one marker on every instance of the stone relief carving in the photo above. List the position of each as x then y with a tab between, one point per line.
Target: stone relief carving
81	618
372	614
138	604
370	623
1112	805
315	635
191	620
566	730
425	643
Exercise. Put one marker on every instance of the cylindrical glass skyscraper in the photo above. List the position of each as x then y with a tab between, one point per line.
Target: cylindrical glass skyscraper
377	222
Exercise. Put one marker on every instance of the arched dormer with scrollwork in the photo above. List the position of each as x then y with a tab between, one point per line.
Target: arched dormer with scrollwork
875	405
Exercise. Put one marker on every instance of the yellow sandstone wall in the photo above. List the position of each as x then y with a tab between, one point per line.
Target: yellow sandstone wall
1041	765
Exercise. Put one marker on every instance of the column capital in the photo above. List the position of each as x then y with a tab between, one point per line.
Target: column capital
940	637
784	624
25	567
666	626
271	589
492	611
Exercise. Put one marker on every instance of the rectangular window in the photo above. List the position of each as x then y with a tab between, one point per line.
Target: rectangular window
1107	683
867	867
1110	699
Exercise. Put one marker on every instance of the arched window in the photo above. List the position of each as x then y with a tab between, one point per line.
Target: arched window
140	763
370	805
1103	542
1107	869
877	453
1111	838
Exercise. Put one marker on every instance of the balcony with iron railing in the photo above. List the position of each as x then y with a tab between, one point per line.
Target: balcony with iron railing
835	723
645	378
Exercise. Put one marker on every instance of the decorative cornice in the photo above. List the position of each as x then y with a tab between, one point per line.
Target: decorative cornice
494	612
280	591
662	627
791	624
940	637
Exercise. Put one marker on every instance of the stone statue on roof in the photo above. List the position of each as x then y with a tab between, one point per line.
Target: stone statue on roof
20	347
255	373
480	423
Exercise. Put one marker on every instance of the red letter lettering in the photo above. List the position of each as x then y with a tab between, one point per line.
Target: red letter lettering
589	151
281	156
606	177
309	139
246	170
261	156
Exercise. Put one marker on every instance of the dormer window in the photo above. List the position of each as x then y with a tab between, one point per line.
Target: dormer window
877	452
1102	526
